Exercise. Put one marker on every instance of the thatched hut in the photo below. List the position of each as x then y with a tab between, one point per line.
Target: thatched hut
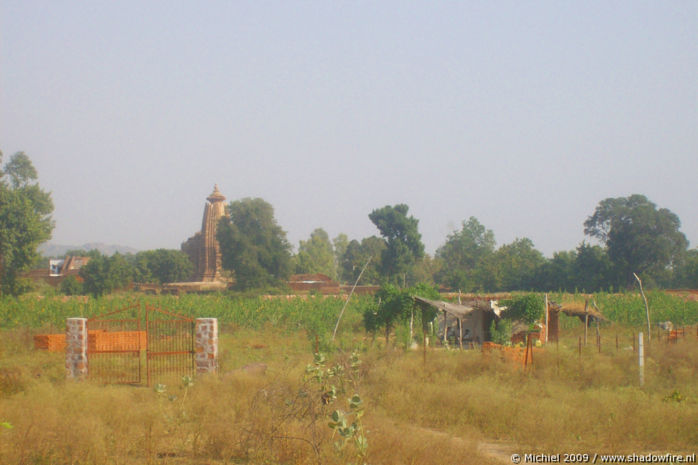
468	322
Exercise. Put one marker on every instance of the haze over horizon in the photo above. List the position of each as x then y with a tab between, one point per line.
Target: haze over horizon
522	115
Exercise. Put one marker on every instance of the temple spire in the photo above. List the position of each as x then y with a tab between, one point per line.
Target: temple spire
216	195
203	248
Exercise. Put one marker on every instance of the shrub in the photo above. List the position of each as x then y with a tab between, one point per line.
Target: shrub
528	308
71	286
500	331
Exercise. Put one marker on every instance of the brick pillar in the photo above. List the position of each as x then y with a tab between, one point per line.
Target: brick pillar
76	348
206	345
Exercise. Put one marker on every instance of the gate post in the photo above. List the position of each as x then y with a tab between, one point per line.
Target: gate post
76	348
206	345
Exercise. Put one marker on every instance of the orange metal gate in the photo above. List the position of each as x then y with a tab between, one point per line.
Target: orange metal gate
132	346
170	344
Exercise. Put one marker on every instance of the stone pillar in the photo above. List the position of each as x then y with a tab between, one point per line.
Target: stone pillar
206	345
76	348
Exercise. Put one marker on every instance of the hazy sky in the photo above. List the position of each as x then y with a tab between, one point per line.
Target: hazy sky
522	114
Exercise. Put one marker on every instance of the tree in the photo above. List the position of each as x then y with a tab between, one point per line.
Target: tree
558	273
71	286
639	238
356	256
103	274
253	245
463	252
517	265
162	266
593	268
393	304
340	243
316	255
25	219
403	241
687	271
426	270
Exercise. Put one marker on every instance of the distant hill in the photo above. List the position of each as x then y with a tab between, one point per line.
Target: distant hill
57	250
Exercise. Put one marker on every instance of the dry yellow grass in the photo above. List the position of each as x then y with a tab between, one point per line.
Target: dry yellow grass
449	411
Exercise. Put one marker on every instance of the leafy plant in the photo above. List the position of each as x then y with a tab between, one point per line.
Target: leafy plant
332	382
500	331
528	308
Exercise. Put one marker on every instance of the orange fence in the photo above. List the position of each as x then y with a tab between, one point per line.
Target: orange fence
514	354
98	340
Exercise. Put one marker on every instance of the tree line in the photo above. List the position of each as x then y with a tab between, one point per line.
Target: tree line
631	235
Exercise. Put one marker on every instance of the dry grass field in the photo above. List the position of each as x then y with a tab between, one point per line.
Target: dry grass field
461	407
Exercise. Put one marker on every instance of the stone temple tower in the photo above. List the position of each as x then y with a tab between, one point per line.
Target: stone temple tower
203	248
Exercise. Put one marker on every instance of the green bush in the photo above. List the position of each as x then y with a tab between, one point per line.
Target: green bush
528	308
71	286
500	331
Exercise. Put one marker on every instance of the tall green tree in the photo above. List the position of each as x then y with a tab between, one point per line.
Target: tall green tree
687	271
517	265
402	237
162	266
426	270
357	255
340	243
25	220
557	273
253	245
463	253
316	255
103	275
593	269
639	237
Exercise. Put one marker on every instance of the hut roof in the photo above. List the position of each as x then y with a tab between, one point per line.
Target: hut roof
457	310
577	309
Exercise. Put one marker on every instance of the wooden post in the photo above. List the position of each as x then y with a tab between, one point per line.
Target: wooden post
411	325
546	318
424	342
616	342
586	320
647	309
580	347
526	355
641	358
598	335
445	330
460	333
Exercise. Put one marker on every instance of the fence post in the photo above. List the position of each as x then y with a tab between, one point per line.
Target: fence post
76	348
641	358
206	345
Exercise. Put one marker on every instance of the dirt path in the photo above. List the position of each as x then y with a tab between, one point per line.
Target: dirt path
498	452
